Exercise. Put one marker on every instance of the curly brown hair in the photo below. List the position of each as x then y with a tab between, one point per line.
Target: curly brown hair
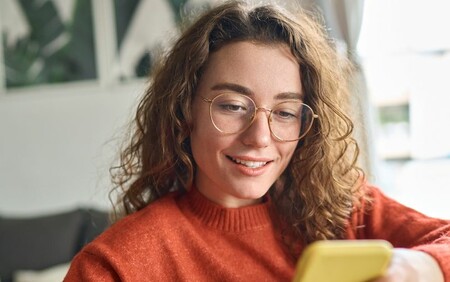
316	194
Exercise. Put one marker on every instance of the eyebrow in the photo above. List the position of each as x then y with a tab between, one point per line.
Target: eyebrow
246	91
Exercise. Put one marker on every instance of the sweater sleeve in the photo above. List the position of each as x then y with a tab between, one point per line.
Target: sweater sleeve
404	227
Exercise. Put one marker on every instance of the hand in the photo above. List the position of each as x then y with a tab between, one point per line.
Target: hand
412	266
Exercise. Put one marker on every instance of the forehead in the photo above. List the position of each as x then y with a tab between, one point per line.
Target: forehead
264	69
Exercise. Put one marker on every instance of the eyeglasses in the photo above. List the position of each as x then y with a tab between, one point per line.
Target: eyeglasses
233	113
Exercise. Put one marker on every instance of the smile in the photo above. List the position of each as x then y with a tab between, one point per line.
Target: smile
250	164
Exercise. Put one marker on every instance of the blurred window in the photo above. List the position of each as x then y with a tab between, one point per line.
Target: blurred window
58	41
406	56
47	42
405	52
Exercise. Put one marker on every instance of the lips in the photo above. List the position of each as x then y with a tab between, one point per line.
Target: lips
249	163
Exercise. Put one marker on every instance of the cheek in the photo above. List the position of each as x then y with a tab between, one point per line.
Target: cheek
201	127
288	151
208	145
204	137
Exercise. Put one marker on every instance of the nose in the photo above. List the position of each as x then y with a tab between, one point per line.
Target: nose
258	134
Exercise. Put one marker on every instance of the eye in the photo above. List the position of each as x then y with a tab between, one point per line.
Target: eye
229	107
285	114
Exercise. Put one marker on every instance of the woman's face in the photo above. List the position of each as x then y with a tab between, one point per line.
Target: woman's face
236	170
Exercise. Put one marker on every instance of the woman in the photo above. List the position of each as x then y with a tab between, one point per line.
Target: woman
242	155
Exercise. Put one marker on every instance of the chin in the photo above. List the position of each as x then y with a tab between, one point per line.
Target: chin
252	194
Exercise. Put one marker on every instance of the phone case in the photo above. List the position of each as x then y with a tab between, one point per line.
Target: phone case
343	261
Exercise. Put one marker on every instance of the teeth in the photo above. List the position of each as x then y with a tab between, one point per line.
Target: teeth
249	163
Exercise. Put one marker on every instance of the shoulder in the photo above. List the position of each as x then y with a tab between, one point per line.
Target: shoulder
144	236
374	200
372	207
371	196
144	229
158	212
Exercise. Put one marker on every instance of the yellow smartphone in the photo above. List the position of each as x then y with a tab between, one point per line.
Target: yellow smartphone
343	261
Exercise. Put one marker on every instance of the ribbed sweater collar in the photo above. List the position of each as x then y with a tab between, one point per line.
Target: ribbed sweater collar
227	219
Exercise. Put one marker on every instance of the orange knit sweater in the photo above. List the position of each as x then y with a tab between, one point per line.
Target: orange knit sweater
188	238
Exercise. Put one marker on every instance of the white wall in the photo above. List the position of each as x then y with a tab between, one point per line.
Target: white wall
57	144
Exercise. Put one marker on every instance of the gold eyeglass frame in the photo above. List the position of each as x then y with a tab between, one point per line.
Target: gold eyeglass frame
210	101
